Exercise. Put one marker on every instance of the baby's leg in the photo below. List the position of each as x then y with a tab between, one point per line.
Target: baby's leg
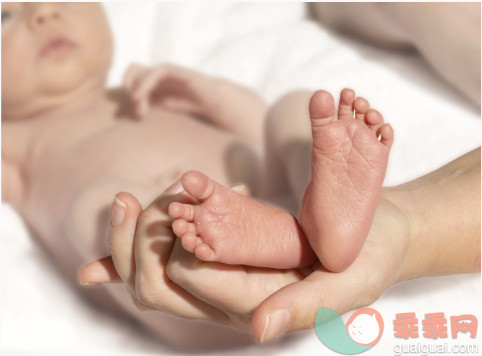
349	162
290	136
288	165
288	147
228	227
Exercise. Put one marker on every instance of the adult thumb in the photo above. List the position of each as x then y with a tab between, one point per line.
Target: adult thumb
294	307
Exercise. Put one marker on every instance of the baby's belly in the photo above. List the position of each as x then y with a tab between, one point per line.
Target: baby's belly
141	159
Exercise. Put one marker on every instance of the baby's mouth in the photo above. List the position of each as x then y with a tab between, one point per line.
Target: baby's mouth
56	45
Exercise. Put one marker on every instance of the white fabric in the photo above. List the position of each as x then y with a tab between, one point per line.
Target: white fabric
272	48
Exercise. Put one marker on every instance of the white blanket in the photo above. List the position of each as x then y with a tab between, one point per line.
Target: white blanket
272	48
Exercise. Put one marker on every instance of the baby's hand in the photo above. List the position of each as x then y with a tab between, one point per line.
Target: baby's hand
170	87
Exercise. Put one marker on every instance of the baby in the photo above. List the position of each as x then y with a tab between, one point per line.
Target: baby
69	145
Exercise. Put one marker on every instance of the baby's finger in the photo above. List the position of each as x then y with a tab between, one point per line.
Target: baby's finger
141	107
131	74
145	86
152	78
125	212
98	272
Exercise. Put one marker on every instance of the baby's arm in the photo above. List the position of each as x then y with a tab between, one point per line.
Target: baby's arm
239	110
232	107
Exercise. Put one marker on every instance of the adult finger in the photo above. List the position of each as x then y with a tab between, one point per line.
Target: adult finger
98	272
153	245
294	307
124	215
103	270
222	285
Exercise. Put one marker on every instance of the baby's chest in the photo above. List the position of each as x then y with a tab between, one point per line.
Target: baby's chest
147	151
146	154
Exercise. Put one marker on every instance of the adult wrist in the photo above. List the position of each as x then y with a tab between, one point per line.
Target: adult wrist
419	256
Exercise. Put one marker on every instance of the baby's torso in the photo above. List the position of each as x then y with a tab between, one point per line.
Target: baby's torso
76	155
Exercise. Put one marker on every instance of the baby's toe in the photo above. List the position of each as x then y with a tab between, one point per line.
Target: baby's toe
361	107
181	211
204	252
345	107
189	242
386	135
197	184
374	119
321	109
182	227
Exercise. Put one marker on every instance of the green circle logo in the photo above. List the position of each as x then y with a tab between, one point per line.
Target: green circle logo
362	330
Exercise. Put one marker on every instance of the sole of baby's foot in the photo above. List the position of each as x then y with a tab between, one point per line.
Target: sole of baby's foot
228	227
349	162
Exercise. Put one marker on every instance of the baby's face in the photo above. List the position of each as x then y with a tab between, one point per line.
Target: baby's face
50	50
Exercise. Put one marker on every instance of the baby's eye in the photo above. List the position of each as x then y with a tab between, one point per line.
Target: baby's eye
5	15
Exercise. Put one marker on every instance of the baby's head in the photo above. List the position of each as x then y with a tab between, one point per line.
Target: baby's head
50	52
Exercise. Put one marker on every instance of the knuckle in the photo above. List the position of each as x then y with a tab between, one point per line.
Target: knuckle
147	215
113	248
373	287
135	299
140	306
116	248
144	291
174	272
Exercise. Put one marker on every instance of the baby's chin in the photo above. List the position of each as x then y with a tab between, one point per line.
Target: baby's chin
62	96
68	76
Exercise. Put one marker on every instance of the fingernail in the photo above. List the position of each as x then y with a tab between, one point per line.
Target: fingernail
239	187
276	324
90	283
118	212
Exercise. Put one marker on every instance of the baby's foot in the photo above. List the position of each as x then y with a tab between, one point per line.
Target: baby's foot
348	167
228	227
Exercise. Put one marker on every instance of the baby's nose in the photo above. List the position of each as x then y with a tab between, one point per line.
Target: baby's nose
43	13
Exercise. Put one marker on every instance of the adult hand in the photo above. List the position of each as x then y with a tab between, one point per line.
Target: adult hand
385	260
412	235
148	259
159	274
